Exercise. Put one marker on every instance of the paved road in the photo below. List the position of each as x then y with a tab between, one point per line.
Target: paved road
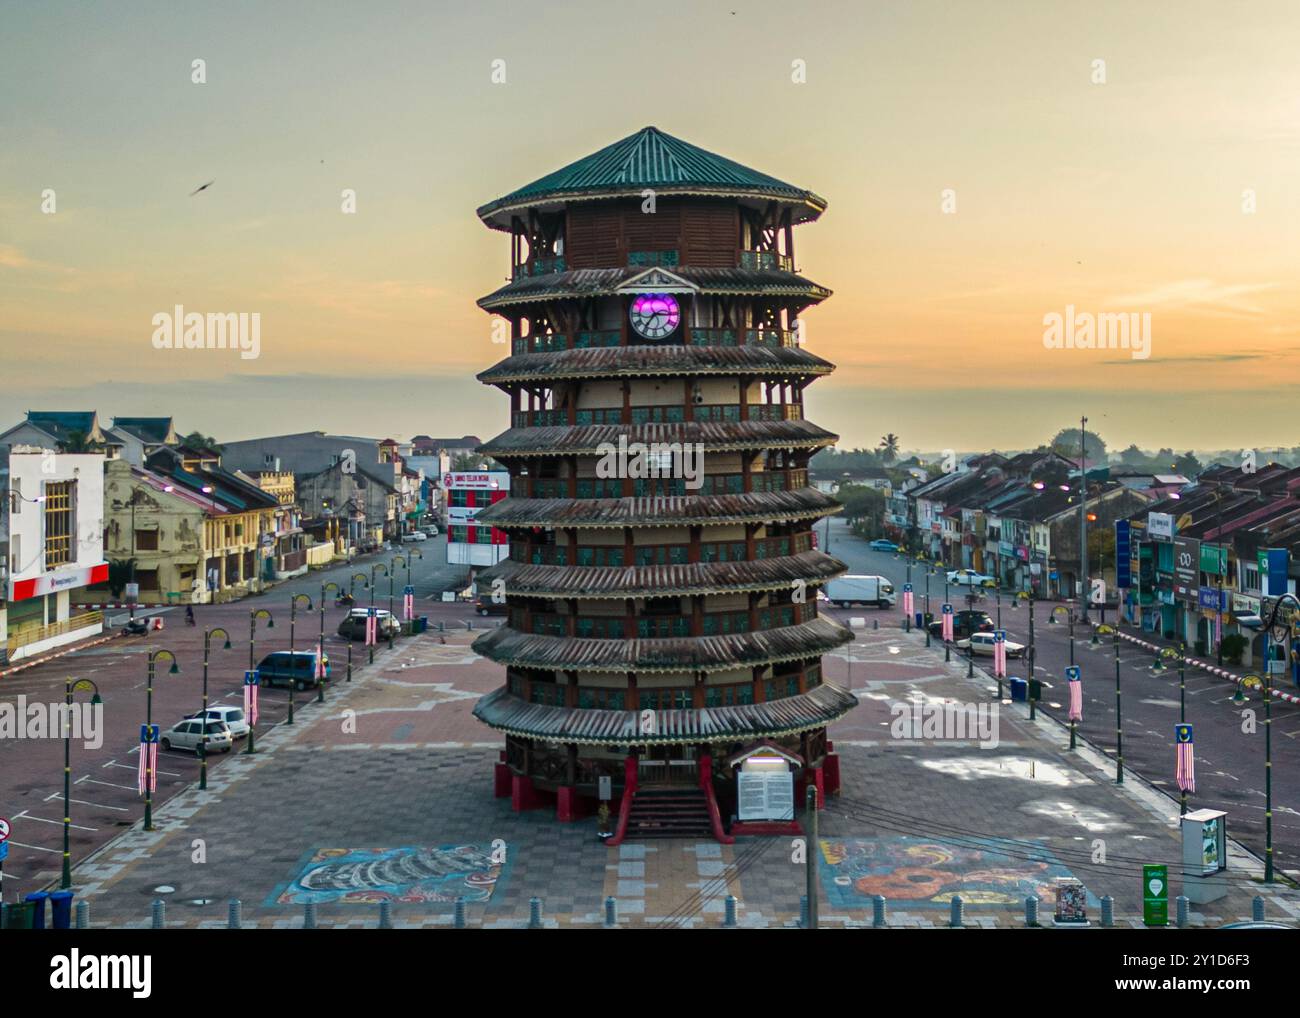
1229	760
104	797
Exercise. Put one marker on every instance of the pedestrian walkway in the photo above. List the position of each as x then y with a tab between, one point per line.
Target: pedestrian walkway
387	796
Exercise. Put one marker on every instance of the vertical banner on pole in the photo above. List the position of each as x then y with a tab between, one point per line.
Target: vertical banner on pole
907	600
320	661
147	772
408	603
1123	555
1185	769
1000	653
947	623
250	696
1074	678
372	625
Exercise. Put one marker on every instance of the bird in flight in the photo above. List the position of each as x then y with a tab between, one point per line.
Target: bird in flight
203	188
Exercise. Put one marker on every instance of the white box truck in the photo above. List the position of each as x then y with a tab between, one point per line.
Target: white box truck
861	590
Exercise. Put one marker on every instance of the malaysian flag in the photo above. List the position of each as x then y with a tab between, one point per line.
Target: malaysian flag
250	697
947	623
907	601
408	603
320	660
1000	653
1075	677
1186	768
147	774
372	626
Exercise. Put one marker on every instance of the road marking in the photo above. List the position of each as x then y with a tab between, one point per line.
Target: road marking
87	802
58	823
129	788
34	848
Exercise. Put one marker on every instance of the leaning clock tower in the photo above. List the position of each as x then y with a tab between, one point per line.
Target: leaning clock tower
663	624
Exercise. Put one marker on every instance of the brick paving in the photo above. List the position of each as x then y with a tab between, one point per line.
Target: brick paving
396	760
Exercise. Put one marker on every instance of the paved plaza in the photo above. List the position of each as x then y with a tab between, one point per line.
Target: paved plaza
386	794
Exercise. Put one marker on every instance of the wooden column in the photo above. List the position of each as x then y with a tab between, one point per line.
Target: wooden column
571	623
756	681
697	694
629	553
688	400
742	383
627	402
571	764
697	614
693	550
571	690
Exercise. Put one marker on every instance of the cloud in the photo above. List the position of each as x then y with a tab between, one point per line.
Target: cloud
1201	294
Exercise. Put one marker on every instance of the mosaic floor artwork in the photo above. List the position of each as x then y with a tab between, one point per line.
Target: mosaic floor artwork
919	873
364	876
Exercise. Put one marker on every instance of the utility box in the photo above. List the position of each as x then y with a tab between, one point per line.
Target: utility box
1205	855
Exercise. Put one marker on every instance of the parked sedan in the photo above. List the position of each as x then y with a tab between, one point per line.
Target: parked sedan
983	644
414	535
964	622
231	717
880	544
970	578
189	733
354	626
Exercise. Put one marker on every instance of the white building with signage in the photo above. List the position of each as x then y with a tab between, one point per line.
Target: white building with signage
52	542
466	492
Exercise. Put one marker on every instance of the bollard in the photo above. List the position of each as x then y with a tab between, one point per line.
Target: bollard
385	915
458	914
803	912
1031	910
235	914
534	913
1182	903
1257	908
309	916
611	912
1107	912
954	920
83	915
879	920
875	624
729	912
159	914
469	626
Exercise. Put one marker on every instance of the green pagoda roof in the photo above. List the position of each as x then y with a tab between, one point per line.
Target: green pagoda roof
651	159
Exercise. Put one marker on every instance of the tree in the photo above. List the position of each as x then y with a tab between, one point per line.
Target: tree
198	440
889	447
1066	442
1188	465
78	442
864	508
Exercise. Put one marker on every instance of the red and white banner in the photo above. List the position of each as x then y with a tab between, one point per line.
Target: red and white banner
147	771
1076	699
408	606
947	626
372	626
1000	655
907	603
250	704
56	580
1185	767
320	660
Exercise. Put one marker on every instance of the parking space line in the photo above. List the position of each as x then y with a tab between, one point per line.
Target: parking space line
129	788
34	848
87	802
59	823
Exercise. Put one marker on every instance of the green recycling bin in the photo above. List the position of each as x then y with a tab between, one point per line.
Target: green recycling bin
19	915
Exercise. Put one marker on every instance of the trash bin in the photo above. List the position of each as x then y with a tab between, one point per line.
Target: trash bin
37	900
1019	690
18	915
424	623
61	910
919	621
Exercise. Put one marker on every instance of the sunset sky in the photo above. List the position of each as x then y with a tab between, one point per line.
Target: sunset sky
1122	196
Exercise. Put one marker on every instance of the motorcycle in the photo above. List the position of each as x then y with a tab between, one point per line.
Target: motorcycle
136	627
344	601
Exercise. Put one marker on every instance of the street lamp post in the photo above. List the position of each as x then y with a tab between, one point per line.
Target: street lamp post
208	634
325	588
1119	719
1270	638
71	687
1083	517
293	613
253	616
154	655
351	588
371	647
928	573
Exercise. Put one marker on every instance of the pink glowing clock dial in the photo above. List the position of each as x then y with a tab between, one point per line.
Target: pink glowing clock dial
655	315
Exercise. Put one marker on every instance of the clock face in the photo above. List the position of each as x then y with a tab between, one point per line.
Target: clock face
655	315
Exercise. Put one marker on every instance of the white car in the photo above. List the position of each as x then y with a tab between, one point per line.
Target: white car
983	645
413	536
970	578
189	733
232	717
430	530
